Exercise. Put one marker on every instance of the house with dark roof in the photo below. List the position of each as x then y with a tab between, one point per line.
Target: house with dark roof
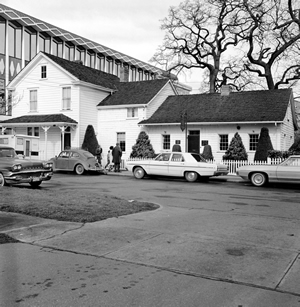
55	100
196	120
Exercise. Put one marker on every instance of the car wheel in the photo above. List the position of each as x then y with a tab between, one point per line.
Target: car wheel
191	176
2	180
139	172
79	169
259	179
35	184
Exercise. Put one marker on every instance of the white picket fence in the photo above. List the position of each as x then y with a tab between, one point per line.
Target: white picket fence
233	165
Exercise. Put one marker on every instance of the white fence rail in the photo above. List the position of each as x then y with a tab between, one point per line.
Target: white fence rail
233	165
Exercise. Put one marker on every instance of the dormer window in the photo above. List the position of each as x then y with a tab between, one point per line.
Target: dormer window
43	72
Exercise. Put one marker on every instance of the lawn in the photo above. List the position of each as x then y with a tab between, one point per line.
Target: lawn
73	206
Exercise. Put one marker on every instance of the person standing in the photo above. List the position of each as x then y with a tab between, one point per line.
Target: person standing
99	154
109	164
117	154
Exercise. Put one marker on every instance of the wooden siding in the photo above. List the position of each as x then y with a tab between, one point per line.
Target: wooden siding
89	98
211	134
287	131
159	99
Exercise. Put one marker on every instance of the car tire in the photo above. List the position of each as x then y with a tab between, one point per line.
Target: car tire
2	180
259	179
35	184
79	169
191	176
139	172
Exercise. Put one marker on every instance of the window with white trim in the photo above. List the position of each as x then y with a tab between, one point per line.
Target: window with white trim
43	72
33	100
166	141
223	141
66	98
121	140
34	131
253	140
132	112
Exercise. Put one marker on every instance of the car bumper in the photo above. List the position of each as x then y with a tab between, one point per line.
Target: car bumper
27	178
221	173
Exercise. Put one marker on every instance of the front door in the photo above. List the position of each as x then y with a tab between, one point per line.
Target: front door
194	141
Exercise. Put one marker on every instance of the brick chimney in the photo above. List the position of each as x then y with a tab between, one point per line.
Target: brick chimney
124	74
225	90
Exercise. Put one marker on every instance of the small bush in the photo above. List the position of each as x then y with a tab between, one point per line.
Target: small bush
264	145
90	142
207	153
236	149
143	147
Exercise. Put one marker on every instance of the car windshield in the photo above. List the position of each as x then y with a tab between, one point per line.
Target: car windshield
293	161
198	157
7	153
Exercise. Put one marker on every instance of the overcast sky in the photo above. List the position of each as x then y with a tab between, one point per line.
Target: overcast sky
129	26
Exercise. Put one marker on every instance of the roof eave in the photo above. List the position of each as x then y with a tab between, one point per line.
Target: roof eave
213	123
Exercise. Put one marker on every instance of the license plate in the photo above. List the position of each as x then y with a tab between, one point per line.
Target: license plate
35	179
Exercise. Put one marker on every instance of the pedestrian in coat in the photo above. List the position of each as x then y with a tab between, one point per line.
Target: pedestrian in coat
117	154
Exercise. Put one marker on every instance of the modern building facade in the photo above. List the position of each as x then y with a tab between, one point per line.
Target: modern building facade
23	36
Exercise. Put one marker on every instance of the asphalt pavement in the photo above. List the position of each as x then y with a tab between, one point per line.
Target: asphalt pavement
129	261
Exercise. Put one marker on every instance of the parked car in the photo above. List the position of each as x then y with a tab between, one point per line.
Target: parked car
14	169
77	160
259	175
192	166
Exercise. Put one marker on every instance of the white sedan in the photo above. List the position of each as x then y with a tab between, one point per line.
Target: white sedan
287	171
177	164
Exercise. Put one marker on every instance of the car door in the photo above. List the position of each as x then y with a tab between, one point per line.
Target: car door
176	165
160	166
62	161
73	159
289	170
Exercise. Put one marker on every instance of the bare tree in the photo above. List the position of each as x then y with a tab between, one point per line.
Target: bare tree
244	43
198	34
270	30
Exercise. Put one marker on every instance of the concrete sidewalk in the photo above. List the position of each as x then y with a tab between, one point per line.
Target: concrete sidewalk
171	257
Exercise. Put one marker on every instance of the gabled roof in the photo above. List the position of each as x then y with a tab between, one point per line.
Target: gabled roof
86	74
237	107
131	93
38	120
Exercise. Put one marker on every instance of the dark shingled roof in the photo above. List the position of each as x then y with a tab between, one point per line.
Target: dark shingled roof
49	118
250	106
86	74
140	92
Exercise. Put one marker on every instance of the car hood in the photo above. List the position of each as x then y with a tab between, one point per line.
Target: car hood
25	163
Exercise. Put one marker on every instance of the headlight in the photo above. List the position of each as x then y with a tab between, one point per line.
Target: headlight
16	167
48	165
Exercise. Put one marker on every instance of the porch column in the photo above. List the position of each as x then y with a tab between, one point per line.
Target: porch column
46	128
62	129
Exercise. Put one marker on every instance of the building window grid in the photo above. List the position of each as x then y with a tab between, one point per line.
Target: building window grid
166	141
223	141
253	140
43	71
132	112
121	140
66	98
33	100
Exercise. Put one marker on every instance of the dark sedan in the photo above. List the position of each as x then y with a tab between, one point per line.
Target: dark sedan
14	170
